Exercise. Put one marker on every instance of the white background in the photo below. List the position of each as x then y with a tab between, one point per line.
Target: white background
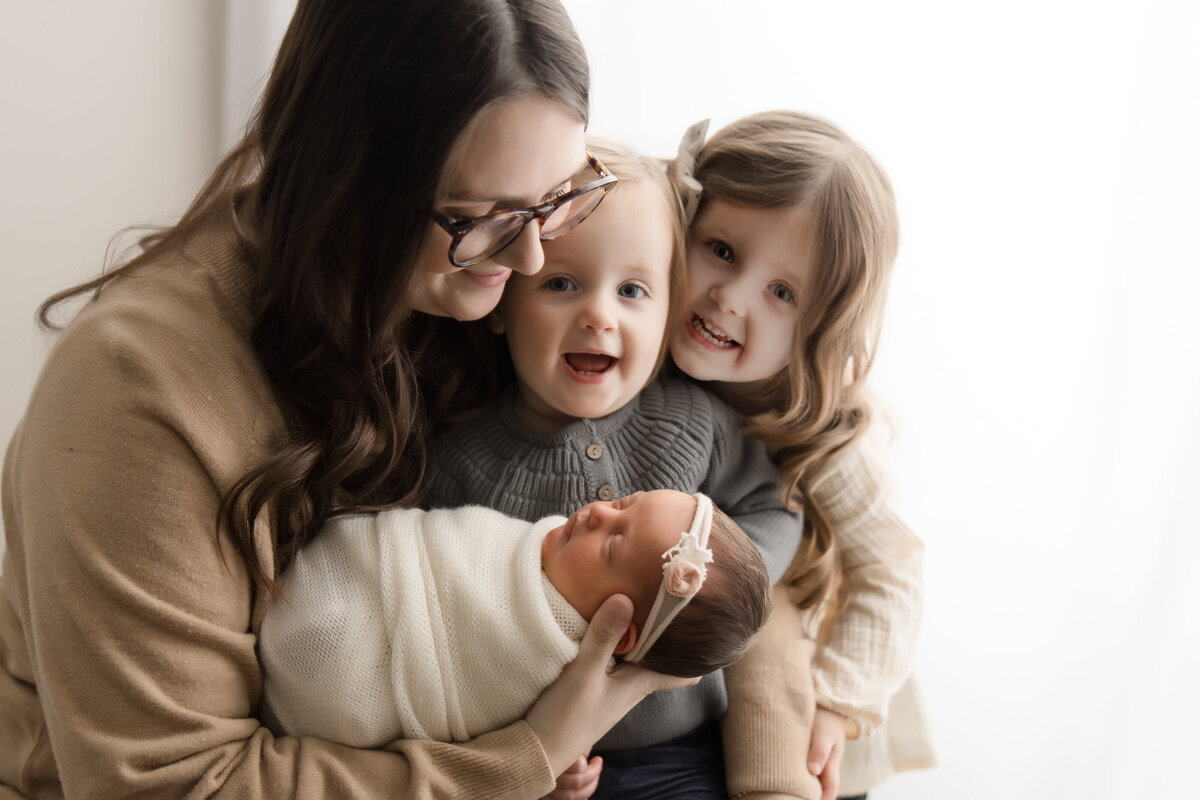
1042	350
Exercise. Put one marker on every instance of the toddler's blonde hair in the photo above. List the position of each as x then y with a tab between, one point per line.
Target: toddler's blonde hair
631	167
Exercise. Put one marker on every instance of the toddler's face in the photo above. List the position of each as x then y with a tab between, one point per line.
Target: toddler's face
586	331
606	548
747	272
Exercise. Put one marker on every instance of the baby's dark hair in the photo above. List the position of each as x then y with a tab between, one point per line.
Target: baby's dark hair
714	629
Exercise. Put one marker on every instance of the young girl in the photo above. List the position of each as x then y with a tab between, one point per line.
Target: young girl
789	257
581	422
446	624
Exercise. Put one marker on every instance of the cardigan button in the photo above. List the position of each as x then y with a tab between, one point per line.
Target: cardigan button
594	451
606	492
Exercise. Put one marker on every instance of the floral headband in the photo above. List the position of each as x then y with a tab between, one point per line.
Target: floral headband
683	575
682	170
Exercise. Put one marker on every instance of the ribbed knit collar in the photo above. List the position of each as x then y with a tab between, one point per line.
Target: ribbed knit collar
510	421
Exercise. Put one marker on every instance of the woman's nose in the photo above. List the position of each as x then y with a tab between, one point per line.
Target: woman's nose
524	254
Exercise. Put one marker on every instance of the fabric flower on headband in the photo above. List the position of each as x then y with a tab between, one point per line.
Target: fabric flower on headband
683	575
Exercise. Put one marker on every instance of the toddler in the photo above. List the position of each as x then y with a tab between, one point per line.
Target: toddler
450	623
789	257
583	418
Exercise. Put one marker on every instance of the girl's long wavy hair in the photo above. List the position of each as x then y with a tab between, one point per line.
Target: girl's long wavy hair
336	176
818	403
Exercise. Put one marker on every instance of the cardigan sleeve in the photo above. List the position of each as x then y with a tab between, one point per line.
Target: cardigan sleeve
744	484
137	617
871	642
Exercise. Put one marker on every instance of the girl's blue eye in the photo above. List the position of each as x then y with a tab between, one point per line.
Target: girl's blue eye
782	292
631	291
721	250
560	284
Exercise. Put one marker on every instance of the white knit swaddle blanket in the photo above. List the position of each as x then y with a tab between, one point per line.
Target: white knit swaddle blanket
411	624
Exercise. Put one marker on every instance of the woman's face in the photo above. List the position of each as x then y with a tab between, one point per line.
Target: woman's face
515	153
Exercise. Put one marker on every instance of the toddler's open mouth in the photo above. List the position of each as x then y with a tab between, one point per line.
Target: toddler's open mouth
589	363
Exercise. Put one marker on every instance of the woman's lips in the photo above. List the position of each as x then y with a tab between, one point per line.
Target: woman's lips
487	279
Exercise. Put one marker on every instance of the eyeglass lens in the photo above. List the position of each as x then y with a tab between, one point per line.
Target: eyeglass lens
493	235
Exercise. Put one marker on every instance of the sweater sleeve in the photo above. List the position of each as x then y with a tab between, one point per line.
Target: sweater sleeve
136	617
767	730
744	484
871	642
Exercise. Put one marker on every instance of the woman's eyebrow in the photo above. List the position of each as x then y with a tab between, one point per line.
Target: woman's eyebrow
467	195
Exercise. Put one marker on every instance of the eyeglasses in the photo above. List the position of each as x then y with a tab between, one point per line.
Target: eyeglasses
477	239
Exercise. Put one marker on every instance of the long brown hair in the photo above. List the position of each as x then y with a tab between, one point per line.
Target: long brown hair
336	176
818	403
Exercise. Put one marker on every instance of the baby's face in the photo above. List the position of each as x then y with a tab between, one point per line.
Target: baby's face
586	331
616	547
748	269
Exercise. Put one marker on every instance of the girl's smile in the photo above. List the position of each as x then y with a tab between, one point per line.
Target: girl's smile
710	335
586	332
748	268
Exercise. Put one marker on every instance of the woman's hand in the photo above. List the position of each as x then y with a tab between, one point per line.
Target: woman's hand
580	780
586	699
825	751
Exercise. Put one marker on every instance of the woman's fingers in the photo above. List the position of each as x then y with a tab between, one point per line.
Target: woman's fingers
606	629
587	699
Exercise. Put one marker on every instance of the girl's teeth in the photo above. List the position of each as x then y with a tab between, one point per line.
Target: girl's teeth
711	335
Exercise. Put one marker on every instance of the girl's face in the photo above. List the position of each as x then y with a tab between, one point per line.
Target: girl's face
585	332
747	272
616	547
515	153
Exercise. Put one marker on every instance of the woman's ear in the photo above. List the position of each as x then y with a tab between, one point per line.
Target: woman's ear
628	640
495	322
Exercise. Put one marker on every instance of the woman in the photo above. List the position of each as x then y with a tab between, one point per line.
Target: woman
273	359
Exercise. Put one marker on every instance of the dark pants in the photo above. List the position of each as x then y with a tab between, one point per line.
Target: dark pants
689	767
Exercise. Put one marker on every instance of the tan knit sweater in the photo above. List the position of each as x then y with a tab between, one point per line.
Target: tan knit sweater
863	664
127	629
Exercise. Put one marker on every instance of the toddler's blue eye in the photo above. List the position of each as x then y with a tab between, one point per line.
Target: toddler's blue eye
560	284
631	291
782	292
721	250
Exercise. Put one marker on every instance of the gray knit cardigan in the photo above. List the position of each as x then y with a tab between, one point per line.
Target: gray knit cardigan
674	435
